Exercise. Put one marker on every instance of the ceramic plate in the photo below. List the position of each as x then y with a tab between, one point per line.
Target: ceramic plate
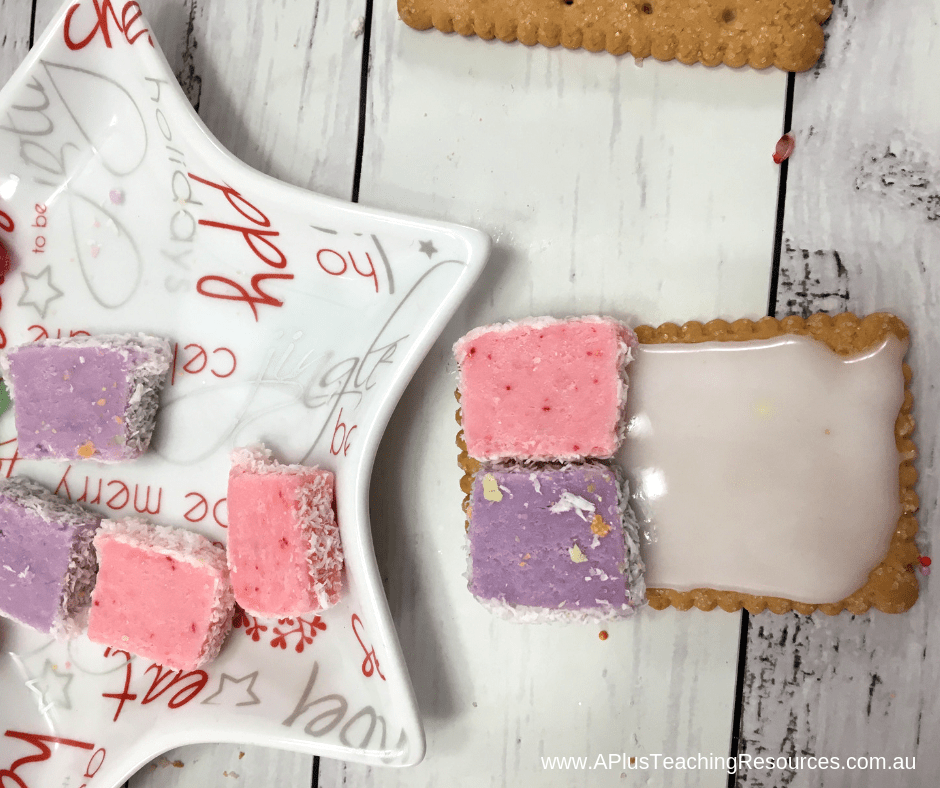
295	320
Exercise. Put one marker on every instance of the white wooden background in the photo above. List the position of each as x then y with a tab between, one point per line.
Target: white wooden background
640	190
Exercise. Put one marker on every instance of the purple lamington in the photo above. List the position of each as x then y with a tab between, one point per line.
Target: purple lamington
47	560
553	543
86	397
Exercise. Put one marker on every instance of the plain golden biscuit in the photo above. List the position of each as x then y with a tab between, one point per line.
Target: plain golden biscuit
892	585
758	33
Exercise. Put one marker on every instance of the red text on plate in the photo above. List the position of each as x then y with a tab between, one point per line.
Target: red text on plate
190	684
336	264
370	664
194	358
6	261
258	237
12	459
343	446
41	742
114	493
199	508
130	15
45	333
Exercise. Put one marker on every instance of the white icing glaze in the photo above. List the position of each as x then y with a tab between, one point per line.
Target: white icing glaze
767	467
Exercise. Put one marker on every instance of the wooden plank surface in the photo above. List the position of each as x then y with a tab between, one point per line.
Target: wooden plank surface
14	35
862	232
645	191
277	84
601	195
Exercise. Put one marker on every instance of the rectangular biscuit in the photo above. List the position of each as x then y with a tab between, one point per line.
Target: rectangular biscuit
825	543
758	33
791	474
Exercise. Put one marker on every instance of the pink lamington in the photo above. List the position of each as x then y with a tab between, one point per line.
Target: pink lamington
284	549
162	593
544	389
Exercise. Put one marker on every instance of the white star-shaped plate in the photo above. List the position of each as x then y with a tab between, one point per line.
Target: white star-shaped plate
295	320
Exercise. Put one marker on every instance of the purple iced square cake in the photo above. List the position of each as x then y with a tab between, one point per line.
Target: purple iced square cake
553	543
86	397
47	559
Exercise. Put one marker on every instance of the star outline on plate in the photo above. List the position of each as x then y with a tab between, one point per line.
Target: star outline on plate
41	686
225	679
40	300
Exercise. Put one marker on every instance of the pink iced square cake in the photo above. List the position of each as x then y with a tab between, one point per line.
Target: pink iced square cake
162	593
544	389
284	549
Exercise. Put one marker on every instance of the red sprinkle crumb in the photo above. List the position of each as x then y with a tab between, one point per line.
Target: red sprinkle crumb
784	149
603	634
472	351
925	561
546	408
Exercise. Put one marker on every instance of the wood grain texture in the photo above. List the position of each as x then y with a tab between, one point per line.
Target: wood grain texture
862	233
14	35
601	196
276	83
225	766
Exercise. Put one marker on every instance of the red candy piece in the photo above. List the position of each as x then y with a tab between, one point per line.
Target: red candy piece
6	261
924	561
784	148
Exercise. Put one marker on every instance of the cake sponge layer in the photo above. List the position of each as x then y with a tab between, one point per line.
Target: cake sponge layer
553	543
86	397
544	389
163	593
47	562
284	547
